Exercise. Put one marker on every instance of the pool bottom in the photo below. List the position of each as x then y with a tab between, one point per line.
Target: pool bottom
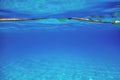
41	68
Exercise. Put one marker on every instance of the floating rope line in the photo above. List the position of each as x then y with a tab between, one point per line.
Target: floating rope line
115	22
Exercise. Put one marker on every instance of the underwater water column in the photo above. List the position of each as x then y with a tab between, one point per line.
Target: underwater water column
58	48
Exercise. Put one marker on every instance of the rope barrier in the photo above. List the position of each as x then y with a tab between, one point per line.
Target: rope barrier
116	22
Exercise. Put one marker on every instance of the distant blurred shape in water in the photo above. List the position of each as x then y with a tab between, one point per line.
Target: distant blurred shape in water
116	14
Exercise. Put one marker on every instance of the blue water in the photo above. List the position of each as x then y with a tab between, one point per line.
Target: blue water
54	50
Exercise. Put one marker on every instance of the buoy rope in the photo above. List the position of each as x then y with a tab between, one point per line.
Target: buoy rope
116	22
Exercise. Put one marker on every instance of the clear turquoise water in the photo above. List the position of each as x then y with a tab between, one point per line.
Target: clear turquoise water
53	50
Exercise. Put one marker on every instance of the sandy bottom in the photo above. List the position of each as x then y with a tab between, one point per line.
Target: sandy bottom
36	68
